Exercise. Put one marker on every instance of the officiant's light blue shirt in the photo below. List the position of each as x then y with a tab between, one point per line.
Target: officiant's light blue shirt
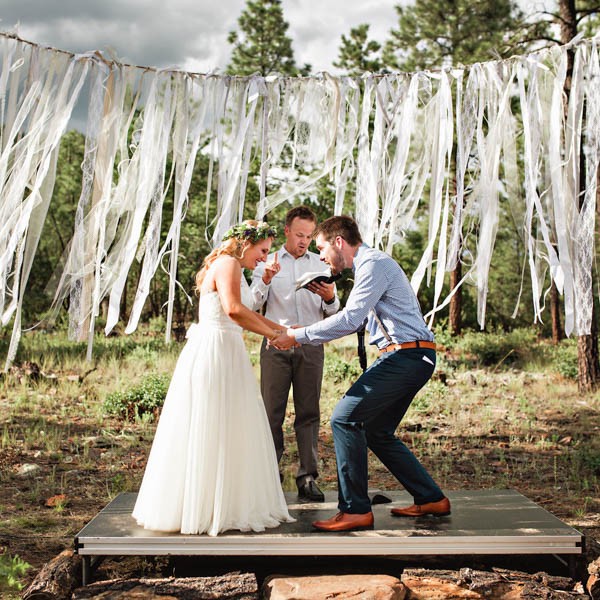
285	305
379	283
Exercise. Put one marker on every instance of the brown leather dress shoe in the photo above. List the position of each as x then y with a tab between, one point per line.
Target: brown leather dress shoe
346	522
441	508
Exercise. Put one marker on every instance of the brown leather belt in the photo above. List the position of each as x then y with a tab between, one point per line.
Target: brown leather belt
406	345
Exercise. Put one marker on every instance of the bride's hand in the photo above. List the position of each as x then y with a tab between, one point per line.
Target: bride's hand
284	341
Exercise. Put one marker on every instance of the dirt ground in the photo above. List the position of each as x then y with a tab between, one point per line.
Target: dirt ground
49	491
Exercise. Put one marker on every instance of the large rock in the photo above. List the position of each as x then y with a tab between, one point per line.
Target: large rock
357	587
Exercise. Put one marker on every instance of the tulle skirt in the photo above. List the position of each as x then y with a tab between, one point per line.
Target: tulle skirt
212	466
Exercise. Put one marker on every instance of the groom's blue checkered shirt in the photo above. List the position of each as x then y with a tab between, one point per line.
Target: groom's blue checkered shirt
379	283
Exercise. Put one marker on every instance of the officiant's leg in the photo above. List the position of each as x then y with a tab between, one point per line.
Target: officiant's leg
275	382
307	377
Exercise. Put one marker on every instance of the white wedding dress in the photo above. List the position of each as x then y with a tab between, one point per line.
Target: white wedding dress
212	466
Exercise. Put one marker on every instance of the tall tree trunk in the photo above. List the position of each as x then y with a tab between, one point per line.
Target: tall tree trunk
587	345
557	329
455	314
456	300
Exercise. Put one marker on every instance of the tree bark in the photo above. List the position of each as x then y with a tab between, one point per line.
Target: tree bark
57	579
588	366
230	586
456	301
557	329
587	345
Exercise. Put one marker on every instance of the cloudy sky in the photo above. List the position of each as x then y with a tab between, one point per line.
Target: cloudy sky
189	34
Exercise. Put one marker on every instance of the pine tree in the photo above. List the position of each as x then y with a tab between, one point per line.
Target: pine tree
569	17
262	45
439	33
358	54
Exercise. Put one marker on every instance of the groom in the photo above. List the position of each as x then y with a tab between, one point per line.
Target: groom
370	411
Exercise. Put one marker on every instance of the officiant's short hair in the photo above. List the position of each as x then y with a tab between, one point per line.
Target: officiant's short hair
340	225
300	212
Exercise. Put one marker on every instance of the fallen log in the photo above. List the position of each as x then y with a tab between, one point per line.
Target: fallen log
57	578
497	583
231	586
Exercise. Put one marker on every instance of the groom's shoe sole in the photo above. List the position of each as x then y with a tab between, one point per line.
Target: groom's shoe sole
436	509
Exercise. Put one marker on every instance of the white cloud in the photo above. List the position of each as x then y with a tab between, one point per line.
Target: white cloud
189	34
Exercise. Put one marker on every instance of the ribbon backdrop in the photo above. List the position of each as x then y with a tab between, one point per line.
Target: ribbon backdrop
500	129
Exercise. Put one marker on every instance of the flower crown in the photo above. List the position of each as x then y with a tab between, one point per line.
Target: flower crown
252	233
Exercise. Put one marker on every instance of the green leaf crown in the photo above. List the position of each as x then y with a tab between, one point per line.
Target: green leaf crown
252	233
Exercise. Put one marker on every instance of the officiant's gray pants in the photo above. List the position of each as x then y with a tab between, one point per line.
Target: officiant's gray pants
302	369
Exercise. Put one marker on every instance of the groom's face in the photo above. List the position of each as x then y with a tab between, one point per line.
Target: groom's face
330	254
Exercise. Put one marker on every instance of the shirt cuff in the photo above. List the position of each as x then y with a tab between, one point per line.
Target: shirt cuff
261	285
300	335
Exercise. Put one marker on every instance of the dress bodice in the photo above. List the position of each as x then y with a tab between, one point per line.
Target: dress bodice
211	311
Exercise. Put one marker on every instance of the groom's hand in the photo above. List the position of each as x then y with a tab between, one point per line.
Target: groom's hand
285	340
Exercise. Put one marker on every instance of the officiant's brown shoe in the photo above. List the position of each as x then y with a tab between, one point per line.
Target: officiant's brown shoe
441	508
346	522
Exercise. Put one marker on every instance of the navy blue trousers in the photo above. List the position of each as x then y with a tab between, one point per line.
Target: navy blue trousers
368	416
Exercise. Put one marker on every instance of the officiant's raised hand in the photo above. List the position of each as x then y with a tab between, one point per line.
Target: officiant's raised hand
271	269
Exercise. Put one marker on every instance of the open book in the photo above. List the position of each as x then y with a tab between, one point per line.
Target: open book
316	277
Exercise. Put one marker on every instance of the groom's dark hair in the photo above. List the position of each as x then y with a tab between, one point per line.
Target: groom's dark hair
342	226
300	212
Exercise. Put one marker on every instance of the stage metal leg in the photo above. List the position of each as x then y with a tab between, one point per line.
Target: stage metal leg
86	569
573	563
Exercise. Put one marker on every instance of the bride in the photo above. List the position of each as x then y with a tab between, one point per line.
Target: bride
212	466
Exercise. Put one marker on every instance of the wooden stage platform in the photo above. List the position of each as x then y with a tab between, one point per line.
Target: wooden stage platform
482	522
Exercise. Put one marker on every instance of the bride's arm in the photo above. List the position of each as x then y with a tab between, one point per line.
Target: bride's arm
227	276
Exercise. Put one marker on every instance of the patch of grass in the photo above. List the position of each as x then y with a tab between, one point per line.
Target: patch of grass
515	348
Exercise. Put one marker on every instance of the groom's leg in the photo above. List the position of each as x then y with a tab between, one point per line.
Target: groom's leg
375	389
411	373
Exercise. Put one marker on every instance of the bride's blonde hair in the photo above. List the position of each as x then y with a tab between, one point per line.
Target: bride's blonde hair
235	242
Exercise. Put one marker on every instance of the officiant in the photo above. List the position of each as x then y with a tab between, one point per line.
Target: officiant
274	288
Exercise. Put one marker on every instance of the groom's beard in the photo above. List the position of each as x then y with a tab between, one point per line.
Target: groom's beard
337	263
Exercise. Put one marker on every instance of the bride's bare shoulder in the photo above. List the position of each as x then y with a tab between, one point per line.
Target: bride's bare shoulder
226	263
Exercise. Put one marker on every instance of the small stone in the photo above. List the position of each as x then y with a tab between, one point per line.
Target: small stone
28	469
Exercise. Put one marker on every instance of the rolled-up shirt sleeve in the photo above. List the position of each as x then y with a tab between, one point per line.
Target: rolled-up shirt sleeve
258	288
370	284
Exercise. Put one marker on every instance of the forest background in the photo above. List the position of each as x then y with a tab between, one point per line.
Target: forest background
50	378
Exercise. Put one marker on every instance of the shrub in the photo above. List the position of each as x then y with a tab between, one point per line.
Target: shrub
145	398
514	348
338	369
12	569
564	358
